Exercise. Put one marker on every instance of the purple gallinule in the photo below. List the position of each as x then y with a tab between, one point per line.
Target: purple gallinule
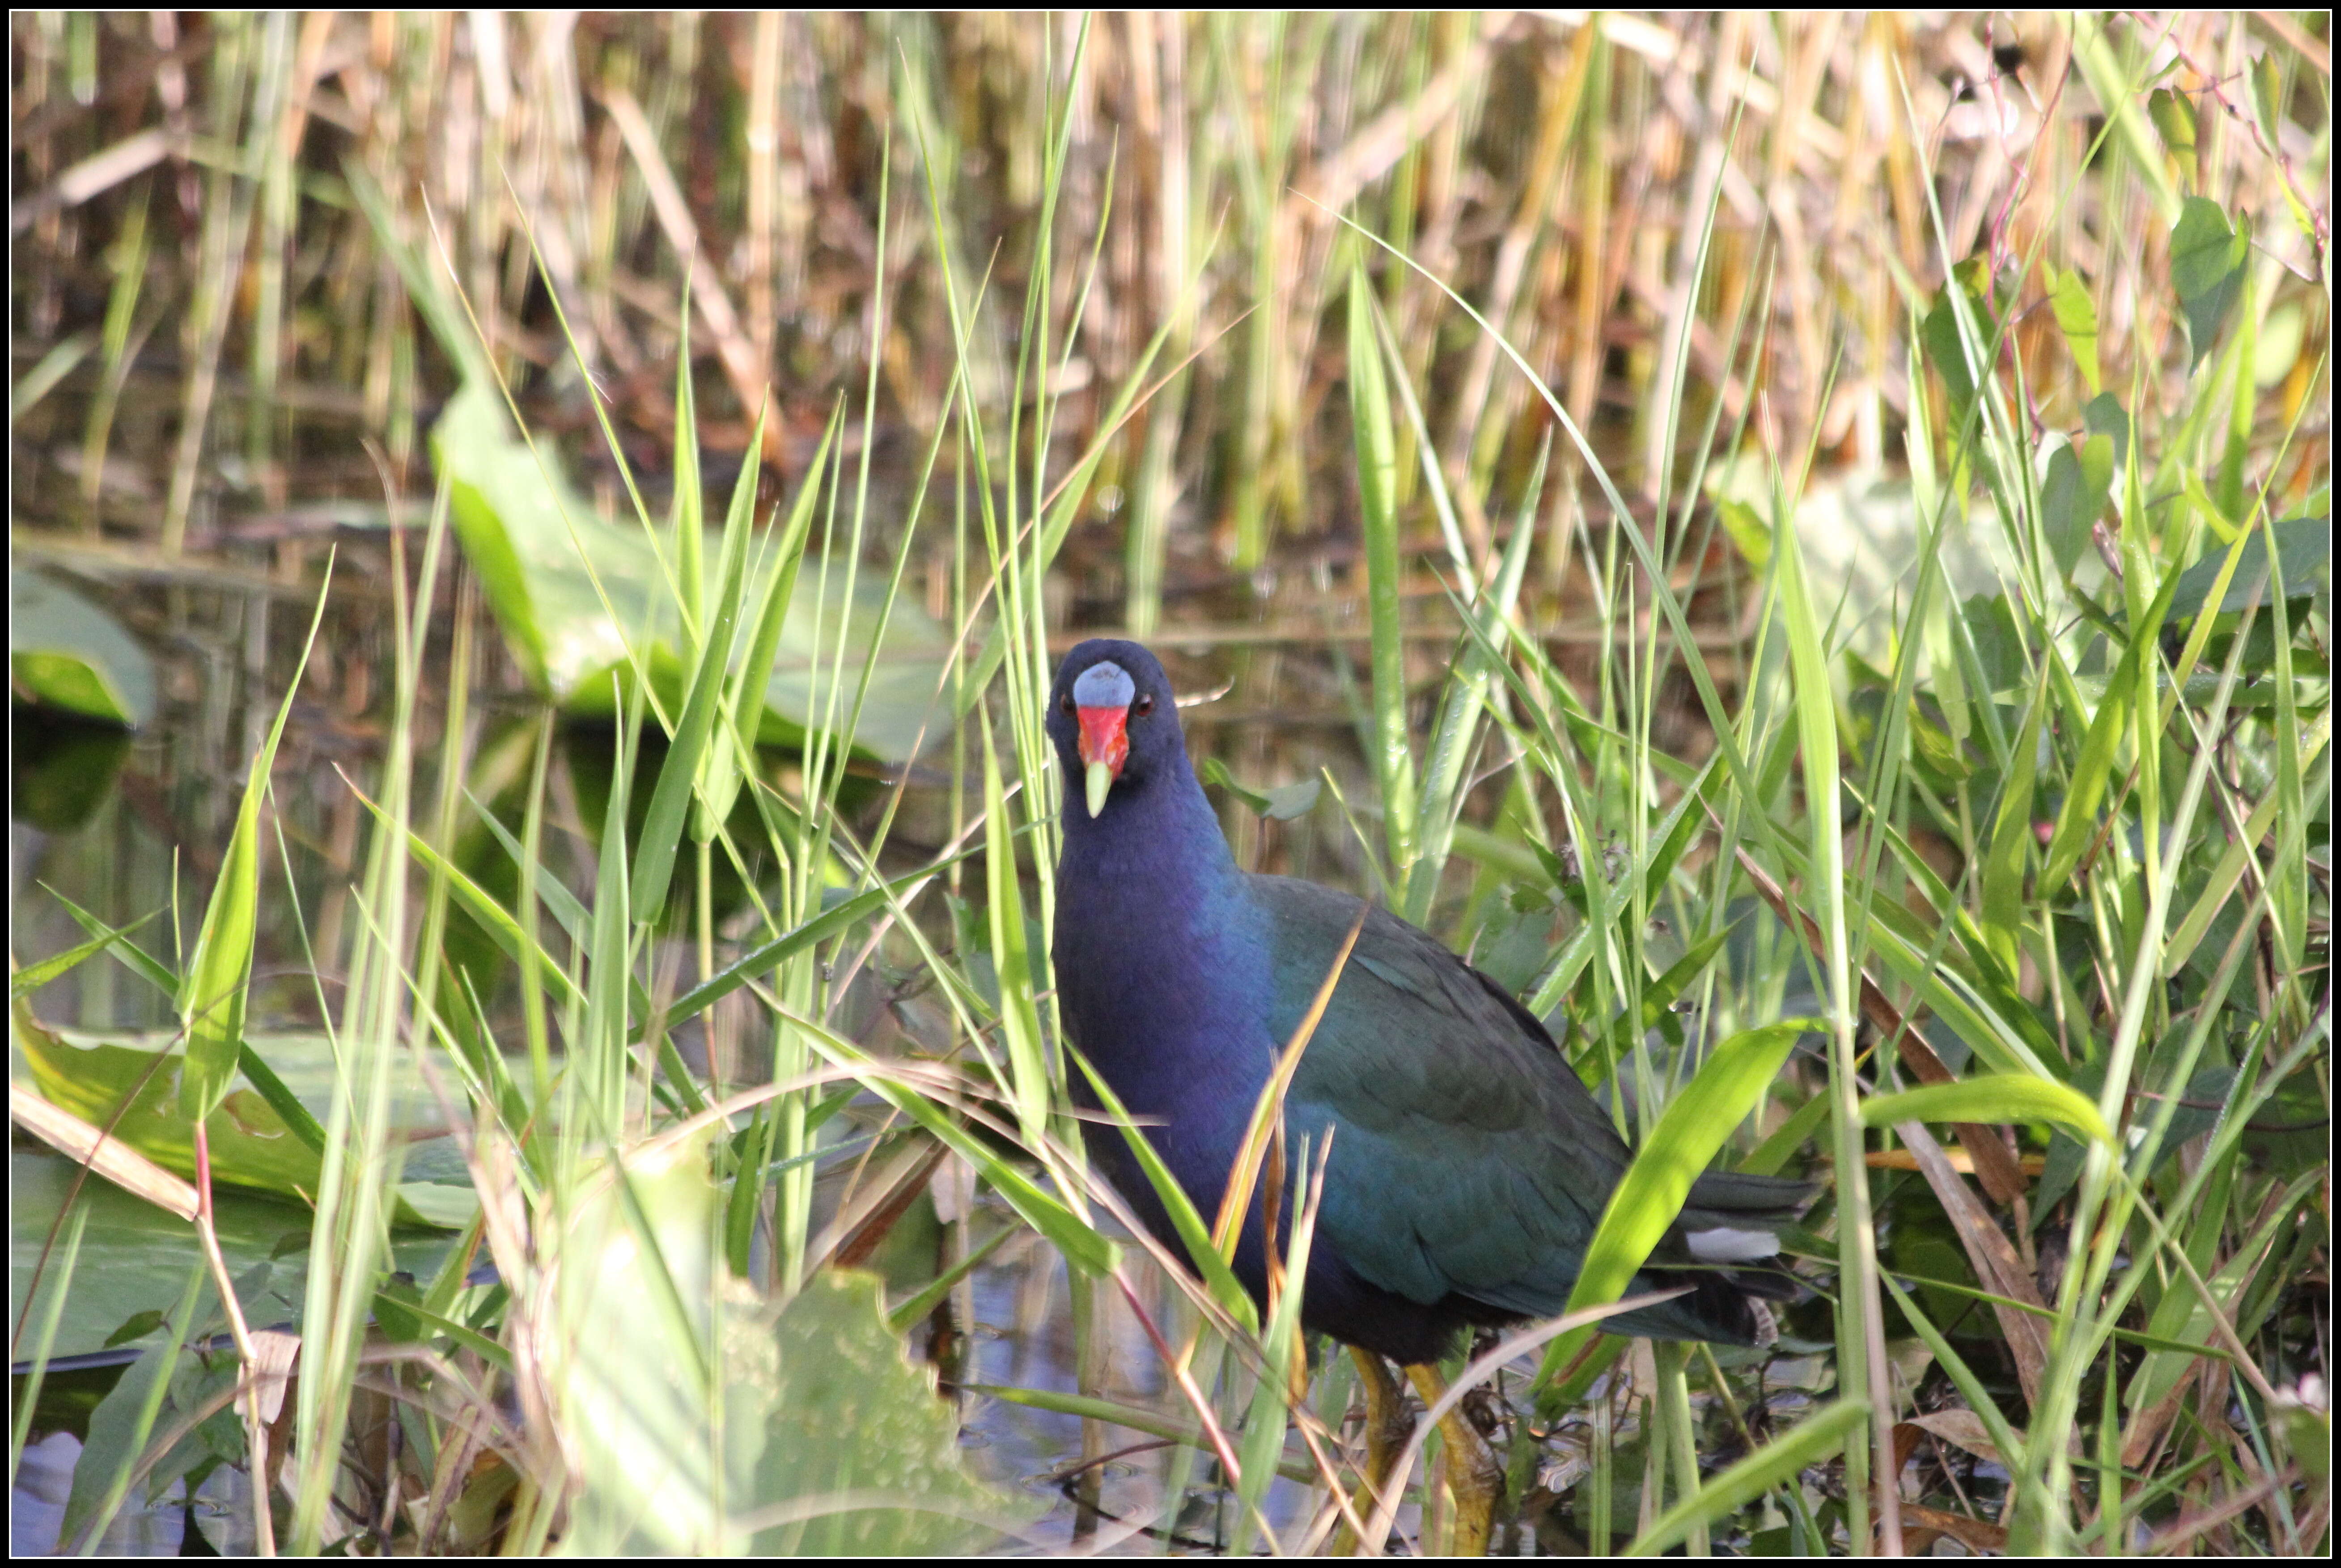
1469	1164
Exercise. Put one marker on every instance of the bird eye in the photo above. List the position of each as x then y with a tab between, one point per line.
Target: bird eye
1065	704
1143	706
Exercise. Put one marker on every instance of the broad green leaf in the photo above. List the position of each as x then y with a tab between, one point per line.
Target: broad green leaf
124	1421
2268	96
1215	772
134	1255
2072	496
66	652
253	1145
1946	350
2105	416
734	1423
574	593
62	773
1748	532
2173	115
849	1414
1281	803
2303	547
2207	269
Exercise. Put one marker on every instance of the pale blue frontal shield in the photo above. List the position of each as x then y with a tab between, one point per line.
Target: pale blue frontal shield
1104	685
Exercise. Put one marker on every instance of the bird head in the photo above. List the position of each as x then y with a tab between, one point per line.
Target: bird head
1112	718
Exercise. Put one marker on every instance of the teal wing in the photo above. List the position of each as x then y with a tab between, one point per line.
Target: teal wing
1467	1156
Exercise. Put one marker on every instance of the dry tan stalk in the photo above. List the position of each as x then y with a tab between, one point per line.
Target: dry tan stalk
732	345
100	1152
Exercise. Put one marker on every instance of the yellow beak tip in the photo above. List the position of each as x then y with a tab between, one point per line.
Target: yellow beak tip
1099	779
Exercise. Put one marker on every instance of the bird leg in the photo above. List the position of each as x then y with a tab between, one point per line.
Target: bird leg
1387	1426
1473	1474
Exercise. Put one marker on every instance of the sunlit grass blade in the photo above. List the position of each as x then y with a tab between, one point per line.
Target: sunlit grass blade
1996	1098
33	976
1691	1132
212	992
1377	447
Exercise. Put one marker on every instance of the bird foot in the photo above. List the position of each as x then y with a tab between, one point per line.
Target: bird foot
1388	1425
1474	1475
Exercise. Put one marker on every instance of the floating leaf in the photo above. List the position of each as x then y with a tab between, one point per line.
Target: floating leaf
69	653
133	1257
572	593
252	1146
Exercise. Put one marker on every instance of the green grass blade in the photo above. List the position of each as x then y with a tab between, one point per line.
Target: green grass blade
1998	1097
1689	1135
1377	446
1813	1441
33	976
212	993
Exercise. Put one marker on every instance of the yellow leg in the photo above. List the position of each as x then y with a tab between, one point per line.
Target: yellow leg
1388	1426
1473	1474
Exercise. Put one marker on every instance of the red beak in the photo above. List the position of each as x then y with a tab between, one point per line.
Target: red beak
1105	738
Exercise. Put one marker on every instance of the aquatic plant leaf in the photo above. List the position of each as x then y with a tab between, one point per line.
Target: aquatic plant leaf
66	652
252	1146
728	1422
573	593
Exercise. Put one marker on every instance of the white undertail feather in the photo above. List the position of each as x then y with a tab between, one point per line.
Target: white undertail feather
1721	1243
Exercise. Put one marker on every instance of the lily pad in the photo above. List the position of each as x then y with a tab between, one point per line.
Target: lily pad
251	1146
66	652
134	1257
62	768
573	591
